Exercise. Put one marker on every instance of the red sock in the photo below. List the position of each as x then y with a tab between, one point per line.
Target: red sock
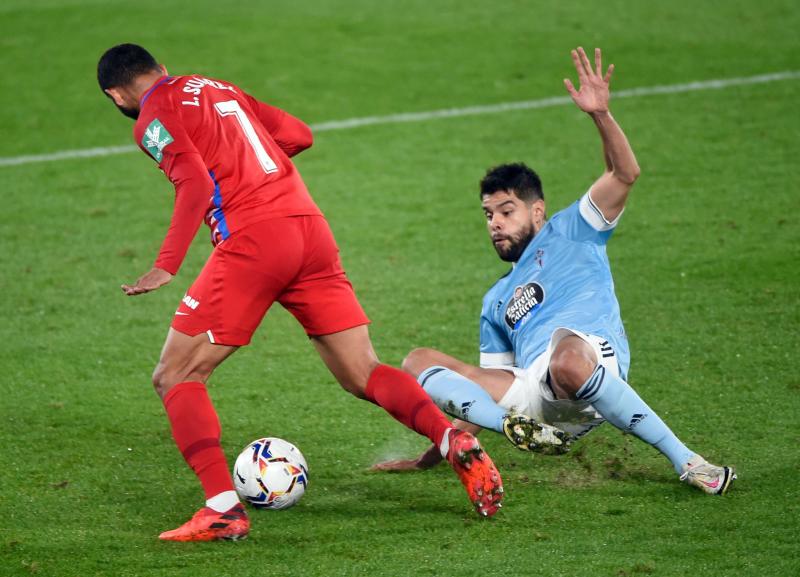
400	395
196	430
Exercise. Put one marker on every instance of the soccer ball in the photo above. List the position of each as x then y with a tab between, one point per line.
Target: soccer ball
270	473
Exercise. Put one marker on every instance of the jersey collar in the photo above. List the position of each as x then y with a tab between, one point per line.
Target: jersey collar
147	94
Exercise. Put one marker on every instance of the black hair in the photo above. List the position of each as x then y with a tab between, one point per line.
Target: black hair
516	178
120	65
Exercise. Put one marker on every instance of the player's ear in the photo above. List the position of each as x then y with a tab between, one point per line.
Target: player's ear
115	95
538	213
163	69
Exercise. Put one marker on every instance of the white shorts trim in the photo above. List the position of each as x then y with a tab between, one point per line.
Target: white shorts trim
530	394
497	359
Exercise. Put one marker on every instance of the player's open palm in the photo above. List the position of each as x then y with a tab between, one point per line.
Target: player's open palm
592	94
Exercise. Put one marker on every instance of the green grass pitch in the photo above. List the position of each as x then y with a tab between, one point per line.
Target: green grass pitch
705	261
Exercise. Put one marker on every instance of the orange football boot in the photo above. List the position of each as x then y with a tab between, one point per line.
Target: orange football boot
476	471
210	525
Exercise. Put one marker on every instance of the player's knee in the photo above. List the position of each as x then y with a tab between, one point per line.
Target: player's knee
570	367
162	382
355	388
356	378
418	360
356	385
165	376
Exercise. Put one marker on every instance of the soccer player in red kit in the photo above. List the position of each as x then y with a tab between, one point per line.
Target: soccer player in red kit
228	156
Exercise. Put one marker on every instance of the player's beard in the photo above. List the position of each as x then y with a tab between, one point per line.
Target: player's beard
129	112
515	244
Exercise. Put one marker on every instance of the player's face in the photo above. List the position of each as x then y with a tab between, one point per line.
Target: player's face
130	112
125	102
511	223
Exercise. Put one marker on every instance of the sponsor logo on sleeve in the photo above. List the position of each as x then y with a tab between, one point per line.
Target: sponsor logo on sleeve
525	301
156	138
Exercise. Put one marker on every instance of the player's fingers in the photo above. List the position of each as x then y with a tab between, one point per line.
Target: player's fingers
570	87
598	62
585	61
610	71
576	59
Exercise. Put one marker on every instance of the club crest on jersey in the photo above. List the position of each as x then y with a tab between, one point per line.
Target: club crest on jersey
526	299
156	138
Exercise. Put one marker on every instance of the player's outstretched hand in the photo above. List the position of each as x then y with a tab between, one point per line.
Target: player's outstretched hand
426	460
592	95
150	281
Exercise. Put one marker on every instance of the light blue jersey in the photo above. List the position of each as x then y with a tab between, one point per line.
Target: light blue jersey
563	279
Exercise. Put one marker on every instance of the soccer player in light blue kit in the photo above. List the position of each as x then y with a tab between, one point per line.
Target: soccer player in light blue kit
553	352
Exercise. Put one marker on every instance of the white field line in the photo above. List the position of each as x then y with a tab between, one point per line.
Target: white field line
443	113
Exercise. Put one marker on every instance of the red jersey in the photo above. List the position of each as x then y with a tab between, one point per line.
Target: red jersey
227	155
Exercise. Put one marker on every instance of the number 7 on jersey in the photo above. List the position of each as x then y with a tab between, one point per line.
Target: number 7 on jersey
231	107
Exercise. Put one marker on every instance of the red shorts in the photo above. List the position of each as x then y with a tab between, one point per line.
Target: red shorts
292	260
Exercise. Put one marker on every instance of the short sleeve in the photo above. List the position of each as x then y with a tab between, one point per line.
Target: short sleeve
584	222
495	349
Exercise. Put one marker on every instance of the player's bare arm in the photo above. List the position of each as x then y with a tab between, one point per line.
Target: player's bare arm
610	191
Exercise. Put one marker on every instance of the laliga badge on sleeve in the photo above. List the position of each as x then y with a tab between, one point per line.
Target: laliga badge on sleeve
156	138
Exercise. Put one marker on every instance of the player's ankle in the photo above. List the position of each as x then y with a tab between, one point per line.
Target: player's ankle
222	502
444	445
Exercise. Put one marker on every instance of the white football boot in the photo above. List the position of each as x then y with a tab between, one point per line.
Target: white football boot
528	435
709	478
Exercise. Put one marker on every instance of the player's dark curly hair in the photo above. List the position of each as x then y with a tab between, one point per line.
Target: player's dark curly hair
516	177
122	63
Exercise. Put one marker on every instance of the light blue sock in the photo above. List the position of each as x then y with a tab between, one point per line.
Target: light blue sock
622	407
461	398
